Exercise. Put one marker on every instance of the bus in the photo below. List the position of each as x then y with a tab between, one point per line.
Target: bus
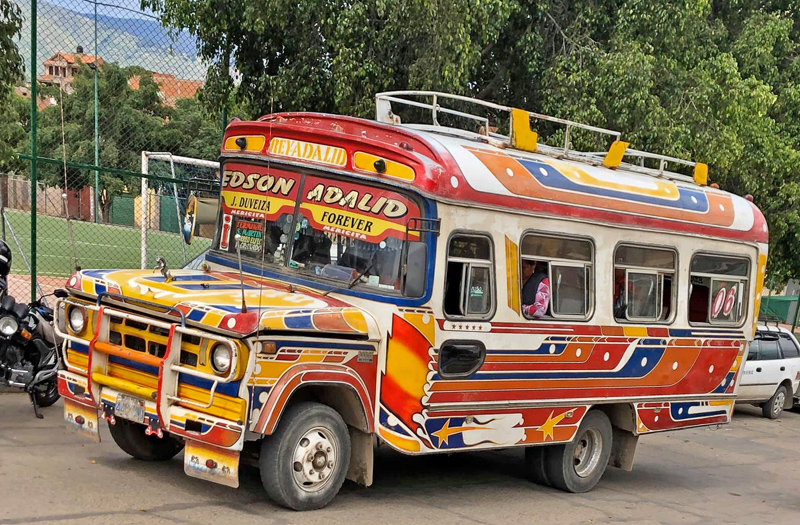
437	280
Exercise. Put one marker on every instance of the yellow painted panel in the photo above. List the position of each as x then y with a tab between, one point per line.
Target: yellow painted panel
512	273
424	323
366	162
255	143
225	407
635	331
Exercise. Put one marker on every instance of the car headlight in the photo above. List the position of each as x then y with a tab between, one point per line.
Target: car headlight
77	319
221	358
8	326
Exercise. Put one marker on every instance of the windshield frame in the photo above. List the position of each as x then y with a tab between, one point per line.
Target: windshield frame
284	271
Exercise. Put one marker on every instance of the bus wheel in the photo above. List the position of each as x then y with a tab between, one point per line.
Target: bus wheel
578	466
535	467
130	437
304	463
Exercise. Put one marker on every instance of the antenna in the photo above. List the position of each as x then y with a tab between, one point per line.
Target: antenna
238	237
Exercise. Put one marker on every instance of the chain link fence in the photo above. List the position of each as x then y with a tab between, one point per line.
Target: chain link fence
105	83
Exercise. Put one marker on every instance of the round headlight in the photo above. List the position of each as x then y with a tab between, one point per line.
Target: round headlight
221	358
77	319
8	326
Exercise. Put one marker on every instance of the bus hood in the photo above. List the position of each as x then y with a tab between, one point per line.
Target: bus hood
213	301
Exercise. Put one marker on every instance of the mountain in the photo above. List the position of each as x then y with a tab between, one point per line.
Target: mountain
124	36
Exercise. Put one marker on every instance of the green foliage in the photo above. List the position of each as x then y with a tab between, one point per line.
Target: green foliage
10	73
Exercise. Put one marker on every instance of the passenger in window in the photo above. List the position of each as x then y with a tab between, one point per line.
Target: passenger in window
536	289
620	304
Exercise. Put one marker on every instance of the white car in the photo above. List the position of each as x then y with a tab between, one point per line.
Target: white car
772	371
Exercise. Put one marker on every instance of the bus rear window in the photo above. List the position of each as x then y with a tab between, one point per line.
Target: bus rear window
718	289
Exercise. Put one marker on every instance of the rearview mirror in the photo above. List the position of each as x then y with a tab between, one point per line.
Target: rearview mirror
415	263
60	293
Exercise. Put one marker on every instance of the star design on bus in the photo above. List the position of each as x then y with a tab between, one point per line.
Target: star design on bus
548	427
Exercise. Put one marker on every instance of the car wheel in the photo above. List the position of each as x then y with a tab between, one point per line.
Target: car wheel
579	465
773	408
131	438
304	463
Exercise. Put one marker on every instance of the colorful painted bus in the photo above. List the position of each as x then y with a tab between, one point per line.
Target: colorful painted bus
371	283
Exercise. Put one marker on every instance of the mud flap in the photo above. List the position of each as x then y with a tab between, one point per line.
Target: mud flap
211	463
82	419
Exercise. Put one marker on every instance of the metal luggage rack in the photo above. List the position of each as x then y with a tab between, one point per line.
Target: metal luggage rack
522	137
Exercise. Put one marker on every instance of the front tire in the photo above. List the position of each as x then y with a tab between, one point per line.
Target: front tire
130	437
579	465
46	393
773	408
304	463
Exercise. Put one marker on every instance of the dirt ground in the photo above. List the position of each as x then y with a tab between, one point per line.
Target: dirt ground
745	472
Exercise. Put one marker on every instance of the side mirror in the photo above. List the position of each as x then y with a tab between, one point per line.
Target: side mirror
61	293
415	265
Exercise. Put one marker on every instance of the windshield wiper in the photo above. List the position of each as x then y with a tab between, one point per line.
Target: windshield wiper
358	277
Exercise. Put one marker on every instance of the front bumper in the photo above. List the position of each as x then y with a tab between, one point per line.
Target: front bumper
93	385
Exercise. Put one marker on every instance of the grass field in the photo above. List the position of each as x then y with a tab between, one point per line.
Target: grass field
97	245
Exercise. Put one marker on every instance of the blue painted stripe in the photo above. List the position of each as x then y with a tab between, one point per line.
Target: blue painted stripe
384	420
680	411
196	315
228	389
79	347
299	322
133	364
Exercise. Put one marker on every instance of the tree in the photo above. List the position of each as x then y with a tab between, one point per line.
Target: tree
712	81
10	73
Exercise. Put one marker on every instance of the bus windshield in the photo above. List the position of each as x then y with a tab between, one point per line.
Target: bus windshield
322	227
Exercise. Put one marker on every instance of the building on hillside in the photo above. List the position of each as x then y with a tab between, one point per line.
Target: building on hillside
170	88
61	68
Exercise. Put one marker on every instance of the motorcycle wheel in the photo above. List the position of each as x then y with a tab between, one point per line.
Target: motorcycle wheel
47	393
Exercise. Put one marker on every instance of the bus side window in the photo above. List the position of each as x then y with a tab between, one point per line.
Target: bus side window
469	281
556	277
718	289
644	288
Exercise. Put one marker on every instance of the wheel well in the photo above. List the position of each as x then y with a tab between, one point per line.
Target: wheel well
624	441
622	415
339	397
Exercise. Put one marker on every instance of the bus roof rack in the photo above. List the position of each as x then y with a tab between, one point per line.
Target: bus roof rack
522	137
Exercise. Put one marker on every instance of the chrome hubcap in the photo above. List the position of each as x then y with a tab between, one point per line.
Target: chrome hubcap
780	399
588	449
314	459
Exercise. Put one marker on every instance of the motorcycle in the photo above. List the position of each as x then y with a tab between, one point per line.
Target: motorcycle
28	350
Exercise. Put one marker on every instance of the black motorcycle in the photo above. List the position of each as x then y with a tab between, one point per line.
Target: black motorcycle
28	357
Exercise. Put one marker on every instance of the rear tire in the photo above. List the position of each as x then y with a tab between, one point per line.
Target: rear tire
535	468
773	408
130	437
304	463
579	465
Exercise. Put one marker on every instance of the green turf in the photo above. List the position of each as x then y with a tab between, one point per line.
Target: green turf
97	245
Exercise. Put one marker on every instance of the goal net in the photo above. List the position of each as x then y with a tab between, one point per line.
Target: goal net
168	183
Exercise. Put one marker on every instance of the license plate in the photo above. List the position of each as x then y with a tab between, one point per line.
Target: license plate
130	408
81	419
211	463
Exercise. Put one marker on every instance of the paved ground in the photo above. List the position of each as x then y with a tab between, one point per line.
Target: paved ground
745	472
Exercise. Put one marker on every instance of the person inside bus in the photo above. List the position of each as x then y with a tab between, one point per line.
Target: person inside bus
536	289
620	302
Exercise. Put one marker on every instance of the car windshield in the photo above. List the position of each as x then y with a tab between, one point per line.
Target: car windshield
333	229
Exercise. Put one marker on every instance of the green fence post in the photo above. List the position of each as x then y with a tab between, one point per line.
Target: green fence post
96	131
34	114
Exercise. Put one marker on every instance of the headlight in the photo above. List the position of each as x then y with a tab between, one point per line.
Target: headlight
221	358
8	326
77	319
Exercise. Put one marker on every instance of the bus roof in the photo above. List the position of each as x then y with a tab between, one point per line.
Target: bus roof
465	168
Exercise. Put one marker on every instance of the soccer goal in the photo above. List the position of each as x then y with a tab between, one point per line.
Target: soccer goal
168	182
